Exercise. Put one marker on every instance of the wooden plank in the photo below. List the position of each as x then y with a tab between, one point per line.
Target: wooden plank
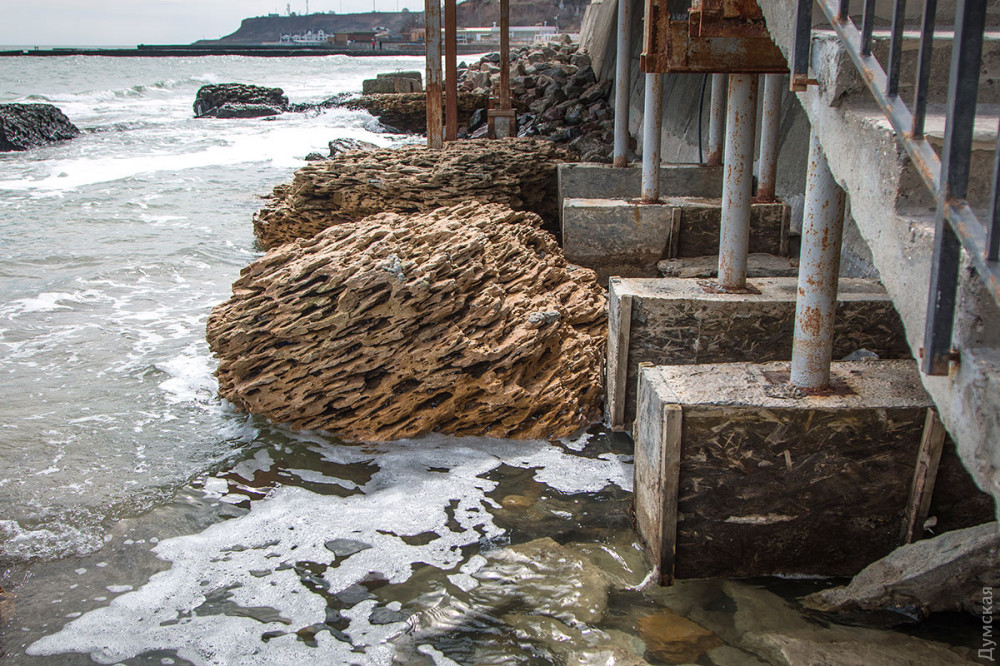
670	469
619	330
924	475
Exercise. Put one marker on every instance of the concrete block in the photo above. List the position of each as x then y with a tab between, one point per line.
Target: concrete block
737	474
758	265
675	321
602	181
618	237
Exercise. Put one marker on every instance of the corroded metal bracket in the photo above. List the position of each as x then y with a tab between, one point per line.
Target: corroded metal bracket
709	36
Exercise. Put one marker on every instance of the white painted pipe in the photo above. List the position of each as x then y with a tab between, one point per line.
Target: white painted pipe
717	119
737	183
768	160
652	123
622	81
819	268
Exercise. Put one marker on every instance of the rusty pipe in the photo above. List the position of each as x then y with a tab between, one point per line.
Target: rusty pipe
505	125
622	80
737	183
819	268
768	161
716	119
652	123
432	42
450	71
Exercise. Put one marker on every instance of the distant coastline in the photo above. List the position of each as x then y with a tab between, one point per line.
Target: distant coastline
188	50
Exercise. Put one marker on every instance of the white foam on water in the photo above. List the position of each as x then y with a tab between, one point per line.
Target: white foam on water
191	378
404	498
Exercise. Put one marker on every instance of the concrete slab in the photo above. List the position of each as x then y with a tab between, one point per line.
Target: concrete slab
626	238
758	265
737	474
676	321
603	181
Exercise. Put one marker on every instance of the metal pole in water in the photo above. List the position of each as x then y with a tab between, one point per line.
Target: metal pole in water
819	267
769	136
652	122
432	42
716	119
622	80
737	183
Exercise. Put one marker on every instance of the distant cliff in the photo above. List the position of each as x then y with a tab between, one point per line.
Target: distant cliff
565	14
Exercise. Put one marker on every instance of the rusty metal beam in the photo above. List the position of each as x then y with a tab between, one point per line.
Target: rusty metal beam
717	119
432	41
769	137
450	71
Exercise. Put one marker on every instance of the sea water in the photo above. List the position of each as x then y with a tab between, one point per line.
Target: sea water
143	520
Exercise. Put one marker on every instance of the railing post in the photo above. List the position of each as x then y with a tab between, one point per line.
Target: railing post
505	125
432	41
717	119
622	80
802	45
652	123
819	268
737	183
963	87
769	137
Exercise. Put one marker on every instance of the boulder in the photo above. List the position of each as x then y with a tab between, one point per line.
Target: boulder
392	83
946	573
24	126
520	173
249	98
408	111
343	145
465	320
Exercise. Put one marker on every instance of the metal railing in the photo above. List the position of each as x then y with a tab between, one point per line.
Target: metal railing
947	176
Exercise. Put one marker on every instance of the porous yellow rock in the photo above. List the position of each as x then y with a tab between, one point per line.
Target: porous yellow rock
466	320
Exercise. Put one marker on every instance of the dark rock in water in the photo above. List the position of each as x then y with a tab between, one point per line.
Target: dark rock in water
346	547
242	111
314	157
408	111
478	119
338	146
384	615
239	95
24	126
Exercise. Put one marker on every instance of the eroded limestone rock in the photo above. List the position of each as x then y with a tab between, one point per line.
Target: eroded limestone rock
239	100
465	320
407	111
520	173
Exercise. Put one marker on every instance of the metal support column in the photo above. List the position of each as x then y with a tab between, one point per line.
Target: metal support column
769	137
504	121
652	123
819	267
737	184
622	80
432	41
717	119
450	72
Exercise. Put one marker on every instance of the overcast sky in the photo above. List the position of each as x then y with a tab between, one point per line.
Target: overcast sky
120	23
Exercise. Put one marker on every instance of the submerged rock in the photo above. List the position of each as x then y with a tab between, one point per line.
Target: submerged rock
674	639
24	126
946	573
239	100
400	325
520	173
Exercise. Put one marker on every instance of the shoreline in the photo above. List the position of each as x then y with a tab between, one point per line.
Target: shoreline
185	51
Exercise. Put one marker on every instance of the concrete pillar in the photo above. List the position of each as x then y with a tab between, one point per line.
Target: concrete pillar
652	123
769	137
717	119
819	268
737	184
622	79
432	39
504	125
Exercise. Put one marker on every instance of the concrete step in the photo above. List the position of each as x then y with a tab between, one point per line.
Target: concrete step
626	238
584	180
676	321
737	475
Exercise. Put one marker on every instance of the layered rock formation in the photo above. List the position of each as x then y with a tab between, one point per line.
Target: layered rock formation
520	173
407	112
24	126
465	320
239	100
